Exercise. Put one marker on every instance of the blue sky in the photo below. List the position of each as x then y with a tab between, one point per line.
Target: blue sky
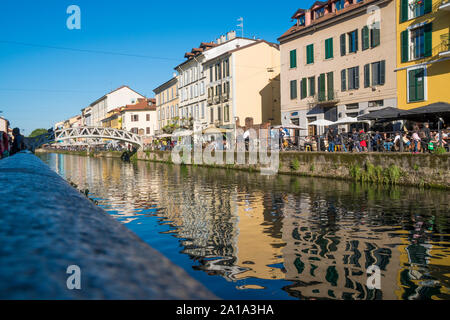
40	86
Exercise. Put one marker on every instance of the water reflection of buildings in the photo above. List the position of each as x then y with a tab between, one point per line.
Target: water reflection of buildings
241	227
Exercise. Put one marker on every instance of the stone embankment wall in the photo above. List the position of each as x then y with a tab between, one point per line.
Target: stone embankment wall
46	226
421	170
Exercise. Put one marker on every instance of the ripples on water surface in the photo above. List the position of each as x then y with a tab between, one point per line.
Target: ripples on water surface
247	236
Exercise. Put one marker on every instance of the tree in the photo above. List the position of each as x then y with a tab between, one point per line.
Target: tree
37	132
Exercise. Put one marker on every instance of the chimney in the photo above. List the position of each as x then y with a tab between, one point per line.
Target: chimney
223	39
231	35
218	41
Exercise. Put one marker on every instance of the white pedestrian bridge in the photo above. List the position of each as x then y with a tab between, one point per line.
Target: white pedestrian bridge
84	135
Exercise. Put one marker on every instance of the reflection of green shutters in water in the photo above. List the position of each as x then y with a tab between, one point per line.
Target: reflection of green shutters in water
332	276
299	265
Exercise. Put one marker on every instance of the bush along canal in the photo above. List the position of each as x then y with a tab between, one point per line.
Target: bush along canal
244	235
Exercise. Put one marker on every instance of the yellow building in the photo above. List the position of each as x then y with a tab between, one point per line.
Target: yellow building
423	52
113	119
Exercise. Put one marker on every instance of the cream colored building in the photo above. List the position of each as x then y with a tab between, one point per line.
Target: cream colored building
338	61
167	107
242	83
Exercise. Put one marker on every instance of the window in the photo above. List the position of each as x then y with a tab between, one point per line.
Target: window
417	40
366	75
329	48
376	103
301	20
134	117
339	5
147	131
343	48
226	116
310	54
211	73
319	12
303	92
375	35
147	117
353	78
293	89
378	73
416	85
321	87
365	38
352	106
410	9
293	58
211	116
330	86
343	80
312	86
219	113
353	41
203	110
227	68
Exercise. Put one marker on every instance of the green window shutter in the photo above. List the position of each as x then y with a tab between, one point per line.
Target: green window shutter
420	79
329	48
427	6
303	88
412	86
365	37
382	72
428	39
343	80
343	44
403	10
293	59
310	54
356	40
293	89
322	87
404	45
375	36
312	86
357	78
330	86
366	75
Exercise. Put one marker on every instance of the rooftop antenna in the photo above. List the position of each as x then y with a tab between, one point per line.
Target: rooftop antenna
241	25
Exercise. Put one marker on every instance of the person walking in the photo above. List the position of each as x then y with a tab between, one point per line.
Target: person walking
18	143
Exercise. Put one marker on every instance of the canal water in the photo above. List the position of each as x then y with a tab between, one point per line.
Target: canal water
248	236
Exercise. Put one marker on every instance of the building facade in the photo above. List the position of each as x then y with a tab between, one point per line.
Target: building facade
140	118
244	83
338	61
114	99
423	52
167	103
192	78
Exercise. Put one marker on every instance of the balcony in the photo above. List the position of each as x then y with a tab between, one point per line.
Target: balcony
323	99
210	101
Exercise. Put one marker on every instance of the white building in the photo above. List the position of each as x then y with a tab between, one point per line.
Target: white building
3	124
117	98
140	118
192	80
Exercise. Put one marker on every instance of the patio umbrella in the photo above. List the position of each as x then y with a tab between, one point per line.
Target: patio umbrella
214	130
348	120
383	115
184	133
430	112
321	123
165	136
290	126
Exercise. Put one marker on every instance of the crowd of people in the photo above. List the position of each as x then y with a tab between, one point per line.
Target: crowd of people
11	145
417	140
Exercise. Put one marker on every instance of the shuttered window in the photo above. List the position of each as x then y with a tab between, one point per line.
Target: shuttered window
378	73
428	39
293	89
310	54
312	86
404	45
404	10
343	49
329	48
353	78
343	80
375	35
365	37
303	92
293	59
416	85
330	86
366	75
321	87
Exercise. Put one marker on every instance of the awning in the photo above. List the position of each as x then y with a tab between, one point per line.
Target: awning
385	114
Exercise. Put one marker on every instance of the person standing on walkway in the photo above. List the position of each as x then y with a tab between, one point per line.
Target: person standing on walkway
18	143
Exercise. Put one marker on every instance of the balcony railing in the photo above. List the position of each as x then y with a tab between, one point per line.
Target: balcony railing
323	98
445	43
444	5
